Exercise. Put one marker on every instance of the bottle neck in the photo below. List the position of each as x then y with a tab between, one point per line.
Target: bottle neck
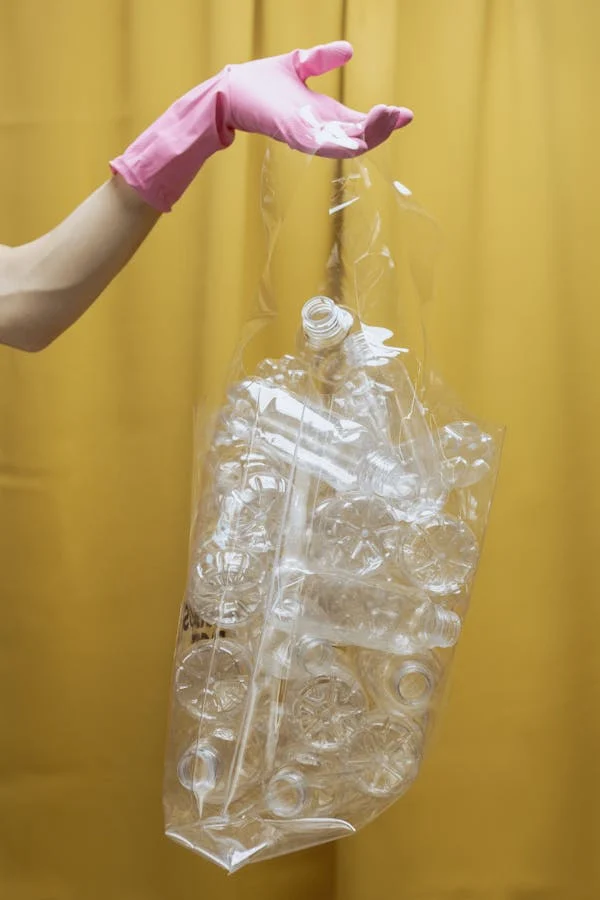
438	627
386	475
325	324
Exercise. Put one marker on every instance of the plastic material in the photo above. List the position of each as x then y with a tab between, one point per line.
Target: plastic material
337	529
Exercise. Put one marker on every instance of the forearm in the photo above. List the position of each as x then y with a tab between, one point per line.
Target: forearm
48	284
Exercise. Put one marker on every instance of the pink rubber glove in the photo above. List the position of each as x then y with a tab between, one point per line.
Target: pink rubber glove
265	96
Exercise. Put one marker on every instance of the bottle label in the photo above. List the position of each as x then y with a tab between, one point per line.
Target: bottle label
195	629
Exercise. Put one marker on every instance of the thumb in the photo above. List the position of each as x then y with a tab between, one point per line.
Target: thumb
321	59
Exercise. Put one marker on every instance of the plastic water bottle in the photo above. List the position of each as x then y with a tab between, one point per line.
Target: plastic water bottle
226	586
468	453
339	451
385	755
440	554
356	533
327	710
308	787
374	615
206	767
288	372
404	684
250	514
370	384
211	681
288	656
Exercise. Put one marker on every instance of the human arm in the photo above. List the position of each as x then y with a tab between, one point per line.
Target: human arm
47	284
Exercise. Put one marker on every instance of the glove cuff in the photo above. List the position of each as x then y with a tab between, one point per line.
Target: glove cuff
164	160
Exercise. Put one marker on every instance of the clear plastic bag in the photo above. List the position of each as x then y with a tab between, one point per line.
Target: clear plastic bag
340	509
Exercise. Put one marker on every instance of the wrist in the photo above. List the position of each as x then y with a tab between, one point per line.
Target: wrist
129	196
163	161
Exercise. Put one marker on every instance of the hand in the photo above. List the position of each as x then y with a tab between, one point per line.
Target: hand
270	96
266	96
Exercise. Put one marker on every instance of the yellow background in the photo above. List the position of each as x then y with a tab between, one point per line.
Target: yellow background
95	442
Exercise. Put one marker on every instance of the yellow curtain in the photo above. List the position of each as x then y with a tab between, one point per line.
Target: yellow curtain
96	440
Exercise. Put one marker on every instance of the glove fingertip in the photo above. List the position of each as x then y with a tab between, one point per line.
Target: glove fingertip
382	121
322	58
404	116
343	48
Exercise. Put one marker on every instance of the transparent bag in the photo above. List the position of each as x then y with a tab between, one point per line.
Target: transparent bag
340	506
